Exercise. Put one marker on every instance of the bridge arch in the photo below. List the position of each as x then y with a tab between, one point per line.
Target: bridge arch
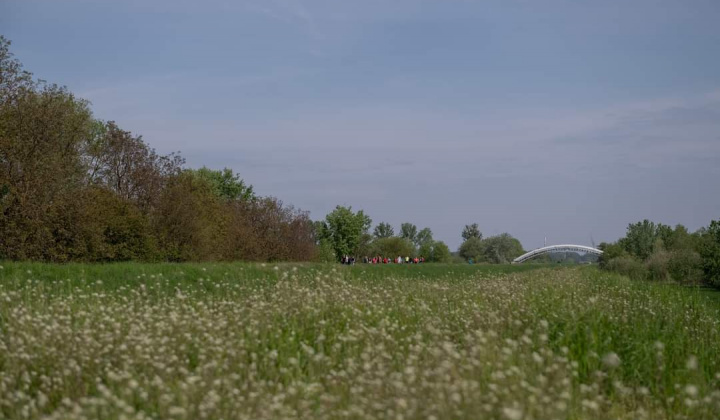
557	248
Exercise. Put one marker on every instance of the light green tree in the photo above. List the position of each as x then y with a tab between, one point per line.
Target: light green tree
408	231
472	249
344	230
501	249
423	237
441	252
225	184
393	247
435	251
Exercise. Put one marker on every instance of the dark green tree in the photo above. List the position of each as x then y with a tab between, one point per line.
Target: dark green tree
471	231
641	237
383	230
710	253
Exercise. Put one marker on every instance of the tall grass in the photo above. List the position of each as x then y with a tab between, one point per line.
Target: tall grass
325	341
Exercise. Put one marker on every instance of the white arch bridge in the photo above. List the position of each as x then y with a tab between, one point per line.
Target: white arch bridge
556	248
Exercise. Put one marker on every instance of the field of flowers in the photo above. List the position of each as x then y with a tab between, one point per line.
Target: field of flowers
251	341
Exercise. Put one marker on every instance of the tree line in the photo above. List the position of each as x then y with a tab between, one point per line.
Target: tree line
345	232
659	252
74	188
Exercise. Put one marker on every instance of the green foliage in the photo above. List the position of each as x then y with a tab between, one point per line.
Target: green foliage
685	266
325	252
665	254
471	231
426	250
628	266
73	188
344	230
610	252
408	231
425	236
472	249
383	230
710	252
392	247
500	249
657	264
225	184
642	236
436	251
189	219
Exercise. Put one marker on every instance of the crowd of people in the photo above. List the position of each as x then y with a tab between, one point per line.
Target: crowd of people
348	260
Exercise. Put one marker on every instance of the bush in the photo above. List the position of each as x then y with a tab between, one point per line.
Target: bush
628	266
657	265
685	266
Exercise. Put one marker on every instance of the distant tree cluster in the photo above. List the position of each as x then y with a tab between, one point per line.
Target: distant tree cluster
660	252
73	188
345	232
500	249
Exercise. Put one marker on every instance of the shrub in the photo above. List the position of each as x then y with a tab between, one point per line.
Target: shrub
657	265
685	266
628	266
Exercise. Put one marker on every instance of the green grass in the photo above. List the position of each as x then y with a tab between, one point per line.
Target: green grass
328	341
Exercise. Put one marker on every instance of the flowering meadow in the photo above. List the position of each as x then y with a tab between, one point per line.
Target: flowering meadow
289	341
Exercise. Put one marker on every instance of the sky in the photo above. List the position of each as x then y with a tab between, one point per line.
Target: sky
557	119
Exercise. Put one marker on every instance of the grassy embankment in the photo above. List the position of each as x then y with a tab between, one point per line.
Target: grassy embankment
326	341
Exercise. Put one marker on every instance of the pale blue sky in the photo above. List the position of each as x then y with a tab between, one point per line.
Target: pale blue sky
558	118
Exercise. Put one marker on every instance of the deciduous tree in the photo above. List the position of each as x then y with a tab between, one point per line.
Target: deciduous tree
471	231
383	230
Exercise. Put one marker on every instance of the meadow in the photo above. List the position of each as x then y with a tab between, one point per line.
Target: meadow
251	341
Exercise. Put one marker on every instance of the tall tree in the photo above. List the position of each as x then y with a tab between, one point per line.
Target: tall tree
41	131
408	231
126	165
423	237
344	230
471	231
383	230
641	237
